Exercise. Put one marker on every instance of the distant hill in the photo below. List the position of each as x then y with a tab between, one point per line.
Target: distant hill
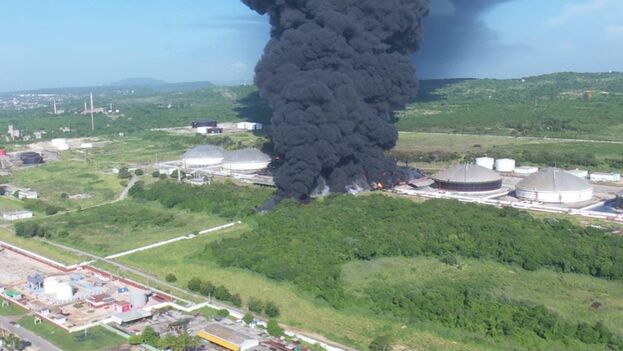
569	105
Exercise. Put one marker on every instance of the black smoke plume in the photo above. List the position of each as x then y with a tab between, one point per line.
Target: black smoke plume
334	72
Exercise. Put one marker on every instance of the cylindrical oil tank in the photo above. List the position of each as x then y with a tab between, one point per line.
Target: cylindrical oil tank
505	165
138	299
50	285
486	162
64	291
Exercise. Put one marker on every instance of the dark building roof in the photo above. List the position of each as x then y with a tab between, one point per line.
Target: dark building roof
204	123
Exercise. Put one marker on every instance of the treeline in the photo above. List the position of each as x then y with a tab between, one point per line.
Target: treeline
307	245
465	307
206	288
224	199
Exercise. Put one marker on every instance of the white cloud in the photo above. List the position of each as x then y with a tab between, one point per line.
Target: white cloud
573	11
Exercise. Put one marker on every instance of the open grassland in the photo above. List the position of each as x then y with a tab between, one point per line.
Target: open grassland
39	247
70	177
8	204
563	105
96	338
11	310
122	226
569	295
439	149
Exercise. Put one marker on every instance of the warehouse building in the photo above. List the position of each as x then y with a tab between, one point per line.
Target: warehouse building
231	338
605	177
203	156
554	186
245	161
468	178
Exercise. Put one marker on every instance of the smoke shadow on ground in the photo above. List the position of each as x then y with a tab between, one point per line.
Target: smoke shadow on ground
253	108
428	88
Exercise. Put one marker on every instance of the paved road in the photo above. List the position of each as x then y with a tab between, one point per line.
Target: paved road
26	334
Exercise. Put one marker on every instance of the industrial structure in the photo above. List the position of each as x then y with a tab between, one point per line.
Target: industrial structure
486	162
467	178
505	165
553	185
203	156
31	158
245	160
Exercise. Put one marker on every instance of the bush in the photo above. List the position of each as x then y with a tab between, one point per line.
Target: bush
155	174
135	340
271	309
255	305
248	318
274	329
381	343
236	300
138	172
194	284
51	210
64	196
124	173
222	313
170	278
29	229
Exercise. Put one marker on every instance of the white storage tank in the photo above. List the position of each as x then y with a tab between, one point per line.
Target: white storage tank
578	172
246	161
49	285
505	165
554	186
203	156
486	162
526	170
138	299
64	291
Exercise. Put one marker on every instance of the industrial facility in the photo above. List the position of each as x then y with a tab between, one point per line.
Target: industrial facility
31	158
468	178
554	186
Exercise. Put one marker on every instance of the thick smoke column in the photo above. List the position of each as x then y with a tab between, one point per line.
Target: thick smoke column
334	72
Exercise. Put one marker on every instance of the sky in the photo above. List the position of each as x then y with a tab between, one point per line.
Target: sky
61	43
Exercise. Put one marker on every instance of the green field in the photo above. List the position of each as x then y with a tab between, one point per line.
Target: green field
11	310
8	204
96	338
434	149
110	229
562	105
40	247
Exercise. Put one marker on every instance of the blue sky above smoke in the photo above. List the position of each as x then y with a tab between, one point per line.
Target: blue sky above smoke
76	42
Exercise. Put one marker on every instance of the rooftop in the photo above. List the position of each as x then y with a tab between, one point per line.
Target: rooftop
553	179
467	173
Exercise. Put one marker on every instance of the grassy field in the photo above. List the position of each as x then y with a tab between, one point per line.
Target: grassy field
569	295
563	105
40	247
598	156
70	176
122	226
11	310
8	204
96	338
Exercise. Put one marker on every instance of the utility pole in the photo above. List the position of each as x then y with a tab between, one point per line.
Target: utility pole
92	121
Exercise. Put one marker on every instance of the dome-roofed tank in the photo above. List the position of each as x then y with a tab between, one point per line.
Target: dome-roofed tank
553	185
246	160
467	178
203	156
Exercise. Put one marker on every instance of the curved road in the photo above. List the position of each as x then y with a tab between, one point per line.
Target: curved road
25	334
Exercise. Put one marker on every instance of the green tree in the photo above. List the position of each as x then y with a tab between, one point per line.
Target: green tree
155	174
273	328
194	284
255	305
236	300
381	343
150	337
171	278
248	318
271	309
139	172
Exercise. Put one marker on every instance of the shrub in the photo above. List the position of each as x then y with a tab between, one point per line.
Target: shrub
381	343
138	172
64	196
51	210
194	284
271	309
248	318
170	278
222	313
155	174
255	305
29	229
273	328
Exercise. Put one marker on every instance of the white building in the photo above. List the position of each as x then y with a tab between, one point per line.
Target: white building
605	177
16	215
554	186
249	125
27	194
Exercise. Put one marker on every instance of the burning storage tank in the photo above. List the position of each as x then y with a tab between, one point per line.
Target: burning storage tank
246	160
468	178
554	186
31	158
203	156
